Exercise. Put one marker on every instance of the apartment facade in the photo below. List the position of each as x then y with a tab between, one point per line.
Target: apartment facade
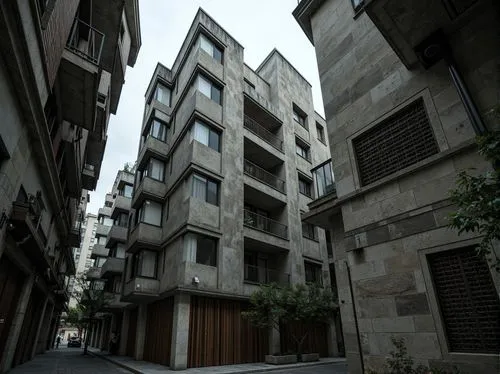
62	66
109	259
406	87
223	173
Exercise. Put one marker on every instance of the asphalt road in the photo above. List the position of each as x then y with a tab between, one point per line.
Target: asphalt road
338	368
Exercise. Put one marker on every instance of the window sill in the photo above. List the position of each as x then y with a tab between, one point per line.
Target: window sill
308	160
312	239
358	12
322	141
306	195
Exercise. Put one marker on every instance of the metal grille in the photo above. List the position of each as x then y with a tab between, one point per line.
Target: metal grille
468	301
400	141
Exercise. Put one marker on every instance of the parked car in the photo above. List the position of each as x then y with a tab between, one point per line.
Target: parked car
75	341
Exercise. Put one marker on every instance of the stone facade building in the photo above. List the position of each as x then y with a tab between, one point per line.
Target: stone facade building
406	87
62	67
223	174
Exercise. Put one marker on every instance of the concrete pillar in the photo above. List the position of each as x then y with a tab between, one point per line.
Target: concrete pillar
46	328
15	330
180	332
102	338
140	337
39	328
124	333
274	341
333	349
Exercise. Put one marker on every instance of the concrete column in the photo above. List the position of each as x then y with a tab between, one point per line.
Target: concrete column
102	339
39	327
140	338
274	341
333	349
180	332
124	332
46	328
15	330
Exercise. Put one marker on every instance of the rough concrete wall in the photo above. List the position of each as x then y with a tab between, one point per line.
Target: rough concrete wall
261	86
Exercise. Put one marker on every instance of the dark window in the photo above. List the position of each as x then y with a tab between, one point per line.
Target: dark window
302	150
329	246
358	4
397	142
299	118
206	250
309	231
325	182
4	155
144	264
321	132
313	273
158	130
121	220
469	303
126	190
305	186
205	189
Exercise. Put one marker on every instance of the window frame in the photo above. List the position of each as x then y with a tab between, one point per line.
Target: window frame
307	182
164	86
139	215
213	88
300	117
198	238
135	265
315	173
303	147
162	131
311	231
320	132
216	52
207	181
211	131
318	272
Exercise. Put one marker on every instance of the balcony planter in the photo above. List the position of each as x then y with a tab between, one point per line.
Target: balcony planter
280	360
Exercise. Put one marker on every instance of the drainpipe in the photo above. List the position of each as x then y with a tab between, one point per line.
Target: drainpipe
358	337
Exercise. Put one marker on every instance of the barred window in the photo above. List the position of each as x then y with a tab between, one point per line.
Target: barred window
469	304
401	140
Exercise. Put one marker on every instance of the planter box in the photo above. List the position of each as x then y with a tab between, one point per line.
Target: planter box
281	360
309	357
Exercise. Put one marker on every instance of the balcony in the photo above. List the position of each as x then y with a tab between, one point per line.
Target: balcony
152	147
94	273
79	74
112	266
144	236
263	133
121	205
150	189
141	290
265	224
264	176
262	275
102	230
116	234
113	301
258	102
89	177
99	250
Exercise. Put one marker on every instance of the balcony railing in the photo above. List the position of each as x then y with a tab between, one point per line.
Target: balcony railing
264	176
263	133
86	41
263	223
262	275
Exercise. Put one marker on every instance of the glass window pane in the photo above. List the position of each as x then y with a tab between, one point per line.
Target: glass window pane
199	189
156	169
206	44
147	264
217	54
216	95
127	190
151	213
206	251
204	86
201	133
212	192
162	94
213	141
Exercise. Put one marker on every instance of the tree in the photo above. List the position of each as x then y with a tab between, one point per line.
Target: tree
478	200
73	319
91	300
272	306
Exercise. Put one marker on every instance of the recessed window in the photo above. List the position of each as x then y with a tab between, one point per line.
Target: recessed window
357	4
313	273
309	231
325	182
302	150
209	89
206	135
117	251
201	249
205	189
154	169
126	190
144	264
321	132
305	186
158	130
208	46
299	118
162	94
121	220
150	213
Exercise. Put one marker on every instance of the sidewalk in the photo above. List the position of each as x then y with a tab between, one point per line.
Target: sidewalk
144	367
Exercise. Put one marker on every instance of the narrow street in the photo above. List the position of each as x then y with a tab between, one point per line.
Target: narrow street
337	368
67	361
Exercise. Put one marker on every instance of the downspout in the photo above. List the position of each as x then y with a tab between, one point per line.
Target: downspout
358	337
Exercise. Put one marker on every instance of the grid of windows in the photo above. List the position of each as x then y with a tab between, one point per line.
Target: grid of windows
397	142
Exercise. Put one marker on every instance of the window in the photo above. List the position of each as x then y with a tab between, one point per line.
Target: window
101	240
99	261
158	130
302	150
205	189
154	169
324	179
313	273
121	220
162	94
467	300
200	249
126	190
118	251
208	46
321	132
206	135
144	264
305	186
401	140
108	204
309	231
299	118
207	88
329	245
357	4
150	213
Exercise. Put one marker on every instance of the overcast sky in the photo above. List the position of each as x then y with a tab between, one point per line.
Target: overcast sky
258	25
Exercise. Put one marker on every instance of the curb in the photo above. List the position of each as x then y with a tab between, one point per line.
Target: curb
256	370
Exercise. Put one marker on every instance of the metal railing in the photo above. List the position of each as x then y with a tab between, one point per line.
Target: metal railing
86	41
262	275
263	223
263	175
263	133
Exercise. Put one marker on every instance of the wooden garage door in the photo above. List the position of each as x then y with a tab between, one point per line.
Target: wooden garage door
218	335
11	283
316	340
132	330
159	331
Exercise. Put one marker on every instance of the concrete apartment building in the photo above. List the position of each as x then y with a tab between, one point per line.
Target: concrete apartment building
62	66
223	174
109	258
406	87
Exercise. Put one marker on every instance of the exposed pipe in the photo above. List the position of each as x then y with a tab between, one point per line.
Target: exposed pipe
358	338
